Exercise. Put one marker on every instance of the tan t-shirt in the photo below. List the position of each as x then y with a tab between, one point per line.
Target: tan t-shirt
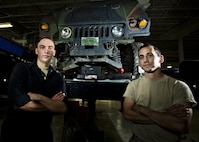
157	95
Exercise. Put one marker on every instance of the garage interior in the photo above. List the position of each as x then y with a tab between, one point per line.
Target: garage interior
174	25
174	29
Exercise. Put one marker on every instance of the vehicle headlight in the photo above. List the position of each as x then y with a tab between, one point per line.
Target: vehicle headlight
117	31
66	32
132	23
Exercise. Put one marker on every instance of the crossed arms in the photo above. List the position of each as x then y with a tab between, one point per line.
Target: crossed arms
177	118
42	103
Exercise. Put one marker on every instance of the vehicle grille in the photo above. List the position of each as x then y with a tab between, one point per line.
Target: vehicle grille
91	31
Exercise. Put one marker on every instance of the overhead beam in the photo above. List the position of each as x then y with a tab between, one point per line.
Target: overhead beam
181	30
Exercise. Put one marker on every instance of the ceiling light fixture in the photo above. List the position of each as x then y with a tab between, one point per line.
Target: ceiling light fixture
6	25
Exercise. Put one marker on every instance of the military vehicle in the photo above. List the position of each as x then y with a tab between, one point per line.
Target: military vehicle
95	40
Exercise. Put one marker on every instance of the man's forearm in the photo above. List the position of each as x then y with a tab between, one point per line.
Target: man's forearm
130	113
136	117
165	120
53	105
33	106
56	106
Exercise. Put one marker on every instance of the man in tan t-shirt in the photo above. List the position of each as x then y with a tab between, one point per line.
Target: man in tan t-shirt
159	106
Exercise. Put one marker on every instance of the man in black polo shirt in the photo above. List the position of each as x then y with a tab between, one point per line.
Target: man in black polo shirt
36	92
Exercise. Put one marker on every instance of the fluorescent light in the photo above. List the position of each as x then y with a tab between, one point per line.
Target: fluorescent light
6	25
169	66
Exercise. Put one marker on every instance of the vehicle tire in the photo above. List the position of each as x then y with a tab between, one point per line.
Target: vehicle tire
129	58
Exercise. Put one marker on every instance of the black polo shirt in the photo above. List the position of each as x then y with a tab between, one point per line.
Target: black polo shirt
27	77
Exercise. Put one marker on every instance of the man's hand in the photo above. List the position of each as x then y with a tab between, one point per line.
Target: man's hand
178	110
59	96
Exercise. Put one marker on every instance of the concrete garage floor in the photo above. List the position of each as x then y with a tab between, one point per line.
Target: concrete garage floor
115	128
108	124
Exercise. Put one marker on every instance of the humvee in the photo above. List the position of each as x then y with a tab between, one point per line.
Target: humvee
95	40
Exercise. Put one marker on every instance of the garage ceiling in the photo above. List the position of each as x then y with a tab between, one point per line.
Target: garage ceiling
174	25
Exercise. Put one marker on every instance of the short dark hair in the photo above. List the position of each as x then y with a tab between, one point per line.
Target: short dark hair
40	38
157	50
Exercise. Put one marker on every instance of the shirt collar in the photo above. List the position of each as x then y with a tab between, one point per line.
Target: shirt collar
34	64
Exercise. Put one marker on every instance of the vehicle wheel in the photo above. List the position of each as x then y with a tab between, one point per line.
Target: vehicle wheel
129	56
